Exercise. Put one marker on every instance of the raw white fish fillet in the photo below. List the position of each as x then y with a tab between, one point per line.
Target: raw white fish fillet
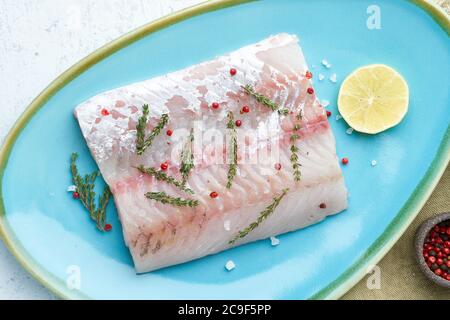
160	235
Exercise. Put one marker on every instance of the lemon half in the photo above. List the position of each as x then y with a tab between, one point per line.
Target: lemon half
373	98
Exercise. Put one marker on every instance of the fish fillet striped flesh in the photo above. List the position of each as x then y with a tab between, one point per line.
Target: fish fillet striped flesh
268	143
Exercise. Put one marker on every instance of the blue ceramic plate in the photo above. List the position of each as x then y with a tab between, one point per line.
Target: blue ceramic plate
51	234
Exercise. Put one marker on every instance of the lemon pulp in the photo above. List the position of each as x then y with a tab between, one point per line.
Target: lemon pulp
373	98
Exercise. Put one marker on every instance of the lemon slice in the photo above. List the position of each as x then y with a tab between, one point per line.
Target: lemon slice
373	98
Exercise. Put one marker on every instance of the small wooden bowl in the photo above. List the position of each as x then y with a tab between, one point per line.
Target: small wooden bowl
421	234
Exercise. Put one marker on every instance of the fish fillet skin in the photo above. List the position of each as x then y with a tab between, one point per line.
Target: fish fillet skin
160	235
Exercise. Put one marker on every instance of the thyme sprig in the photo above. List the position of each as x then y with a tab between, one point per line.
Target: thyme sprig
140	128
265	100
85	189
263	216
187	158
162	176
164	198
232	170
142	142
294	154
295	165
260	97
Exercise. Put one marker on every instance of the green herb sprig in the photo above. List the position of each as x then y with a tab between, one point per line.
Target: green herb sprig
232	170
260	98
295	165
263	216
162	176
187	158
140	128
142	142
164	198
265	100
85	189
294	154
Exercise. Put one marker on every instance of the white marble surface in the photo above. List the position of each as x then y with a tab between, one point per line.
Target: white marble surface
39	39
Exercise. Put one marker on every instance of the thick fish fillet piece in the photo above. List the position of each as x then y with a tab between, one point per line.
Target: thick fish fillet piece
160	235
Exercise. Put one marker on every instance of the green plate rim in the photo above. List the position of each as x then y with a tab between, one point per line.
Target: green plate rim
335	289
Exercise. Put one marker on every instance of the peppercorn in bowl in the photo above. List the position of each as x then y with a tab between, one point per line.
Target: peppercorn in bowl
432	246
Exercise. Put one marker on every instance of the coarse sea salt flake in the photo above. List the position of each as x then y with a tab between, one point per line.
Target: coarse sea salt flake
338	117
325	103
333	78
274	241
373	163
226	225
326	64
71	188
321	77
349	131
230	265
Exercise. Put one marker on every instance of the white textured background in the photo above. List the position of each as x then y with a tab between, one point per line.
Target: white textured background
39	39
